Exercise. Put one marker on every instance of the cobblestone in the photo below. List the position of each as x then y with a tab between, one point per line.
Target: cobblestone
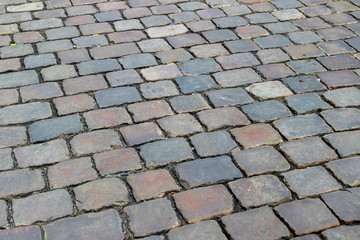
202	172
204	203
146	116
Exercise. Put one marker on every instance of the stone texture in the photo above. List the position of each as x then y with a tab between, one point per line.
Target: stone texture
54	127
307	216
308	151
102	225
346	170
166	151
302	126
306	103
223	117
47	206
229	97
342	232
268	226
149	110
213	143
141	133
117	96
266	111
12	136
99	140
208	230
107	117
75	103
43	153
195	83
256	135
340	141
206	171
344	204
101	193
21	181
310	181
269	90
204	203
118	160
151	217
30	233
152	184
71	172
260	190
342	119
6	160
25	113
180	125
260	160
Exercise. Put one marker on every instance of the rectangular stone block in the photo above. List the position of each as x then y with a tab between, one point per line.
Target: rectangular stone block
52	128
40	154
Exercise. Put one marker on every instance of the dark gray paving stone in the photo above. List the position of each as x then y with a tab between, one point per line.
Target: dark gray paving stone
260	160
97	66
23	113
230	22
213	143
108	16
158	89
189	103
89	41
195	83
306	66
237	77
138	60
304	37
338	62
244	45
307	216
342	78
266	111
307	151
272	56
257	18
348	171
310	181
344	97
272	41
287	3
17	79
302	126
228	97
199	66
219	35
260	190
52	128
306	103
354	42
346	143
207	171
238	60
166	151
125	77
301	84
345	205
342	233
155	21
117	96
186	40
281	27
342	118
41	60
335	47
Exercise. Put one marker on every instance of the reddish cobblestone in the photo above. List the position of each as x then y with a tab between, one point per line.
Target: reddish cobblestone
119	160
95	141
76	103
152	184
204	203
141	133
71	172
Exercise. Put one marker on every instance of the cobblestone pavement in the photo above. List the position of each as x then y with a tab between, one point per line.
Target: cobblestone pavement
179	120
